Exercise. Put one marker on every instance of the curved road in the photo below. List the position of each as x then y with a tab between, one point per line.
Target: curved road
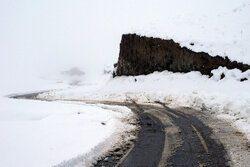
168	137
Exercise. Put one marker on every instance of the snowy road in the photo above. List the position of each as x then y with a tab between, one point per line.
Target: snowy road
180	137
185	134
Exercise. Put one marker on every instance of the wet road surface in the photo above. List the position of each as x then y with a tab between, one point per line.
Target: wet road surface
168	137
151	139
173	138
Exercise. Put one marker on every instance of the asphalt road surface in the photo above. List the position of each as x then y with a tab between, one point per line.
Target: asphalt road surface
170	137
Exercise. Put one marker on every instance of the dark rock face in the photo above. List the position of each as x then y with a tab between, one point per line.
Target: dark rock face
142	55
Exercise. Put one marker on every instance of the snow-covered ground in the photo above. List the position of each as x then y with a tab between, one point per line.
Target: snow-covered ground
227	98
41	134
43	38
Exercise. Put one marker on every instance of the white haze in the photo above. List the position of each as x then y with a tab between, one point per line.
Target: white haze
43	37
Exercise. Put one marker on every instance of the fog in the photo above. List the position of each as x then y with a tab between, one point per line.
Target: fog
44	37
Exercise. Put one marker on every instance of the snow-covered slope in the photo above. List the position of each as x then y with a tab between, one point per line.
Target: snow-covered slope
43	134
227	98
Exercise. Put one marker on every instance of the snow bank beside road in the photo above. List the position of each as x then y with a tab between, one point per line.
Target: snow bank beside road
227	98
41	134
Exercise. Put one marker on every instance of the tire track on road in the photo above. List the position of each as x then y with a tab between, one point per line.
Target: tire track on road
187	141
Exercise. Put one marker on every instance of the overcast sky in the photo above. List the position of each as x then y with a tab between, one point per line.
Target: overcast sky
46	36
49	35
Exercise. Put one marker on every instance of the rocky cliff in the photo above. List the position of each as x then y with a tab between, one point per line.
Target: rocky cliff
142	55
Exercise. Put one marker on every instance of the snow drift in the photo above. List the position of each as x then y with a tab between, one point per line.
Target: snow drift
227	98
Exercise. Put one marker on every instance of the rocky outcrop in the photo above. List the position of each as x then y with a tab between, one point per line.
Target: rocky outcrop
142	55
